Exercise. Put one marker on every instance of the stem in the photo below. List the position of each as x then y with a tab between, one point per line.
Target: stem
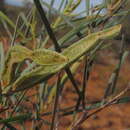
56	103
53	38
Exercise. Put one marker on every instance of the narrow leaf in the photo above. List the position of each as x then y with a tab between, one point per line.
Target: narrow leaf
73	53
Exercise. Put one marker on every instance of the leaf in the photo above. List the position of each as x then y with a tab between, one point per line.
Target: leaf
15	54
19	53
64	79
47	57
79	48
1	59
73	53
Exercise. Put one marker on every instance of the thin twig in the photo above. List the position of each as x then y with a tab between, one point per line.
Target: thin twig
87	68
110	102
117	71
47	25
70	110
15	31
56	103
114	77
19	101
57	47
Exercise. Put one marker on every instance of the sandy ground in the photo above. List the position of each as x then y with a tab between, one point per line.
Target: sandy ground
115	117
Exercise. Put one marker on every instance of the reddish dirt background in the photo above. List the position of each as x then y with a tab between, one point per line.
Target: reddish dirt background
115	117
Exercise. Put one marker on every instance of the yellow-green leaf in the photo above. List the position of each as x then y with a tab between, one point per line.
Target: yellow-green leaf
15	54
73	53
19	53
47	57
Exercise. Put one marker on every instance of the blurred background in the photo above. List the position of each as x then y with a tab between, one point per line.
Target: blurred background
111	118
24	3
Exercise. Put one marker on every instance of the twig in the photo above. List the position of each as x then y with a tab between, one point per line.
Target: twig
119	64
19	101
56	103
114	77
15	31
87	68
70	110
47	25
110	102
57	47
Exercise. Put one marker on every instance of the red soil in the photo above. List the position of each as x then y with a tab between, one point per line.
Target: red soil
115	117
